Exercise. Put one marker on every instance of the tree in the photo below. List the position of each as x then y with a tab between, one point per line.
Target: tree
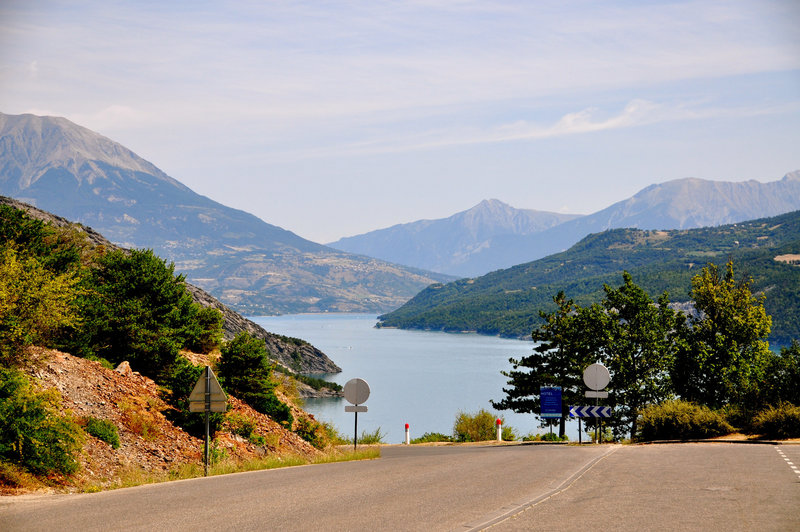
640	348
781	381
561	355
140	311
34	304
246	372
725	352
204	332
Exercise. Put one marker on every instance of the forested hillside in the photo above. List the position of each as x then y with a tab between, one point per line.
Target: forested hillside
70	312
507	302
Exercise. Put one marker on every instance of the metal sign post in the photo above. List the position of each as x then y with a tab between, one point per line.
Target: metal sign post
207	396
356	391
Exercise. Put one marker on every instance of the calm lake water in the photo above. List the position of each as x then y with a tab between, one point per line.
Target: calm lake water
415	377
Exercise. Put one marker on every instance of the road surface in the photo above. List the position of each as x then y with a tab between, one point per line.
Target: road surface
515	487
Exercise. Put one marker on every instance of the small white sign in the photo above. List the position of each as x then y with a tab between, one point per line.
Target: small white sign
596	395
355	408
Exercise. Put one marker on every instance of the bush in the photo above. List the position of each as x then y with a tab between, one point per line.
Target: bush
680	420
33	431
479	427
369	438
778	422
267	403
103	429
311	431
432	437
332	434
240	425
547	436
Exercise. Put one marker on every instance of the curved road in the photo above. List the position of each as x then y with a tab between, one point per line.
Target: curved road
510	487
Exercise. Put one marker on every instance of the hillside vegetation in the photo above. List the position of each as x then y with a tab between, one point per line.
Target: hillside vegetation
125	309
507	302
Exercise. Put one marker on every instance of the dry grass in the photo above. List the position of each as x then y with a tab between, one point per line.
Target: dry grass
136	477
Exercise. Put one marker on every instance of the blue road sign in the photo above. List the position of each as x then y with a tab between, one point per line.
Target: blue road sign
550	399
590	411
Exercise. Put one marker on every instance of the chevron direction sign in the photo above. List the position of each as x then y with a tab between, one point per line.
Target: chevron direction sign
590	411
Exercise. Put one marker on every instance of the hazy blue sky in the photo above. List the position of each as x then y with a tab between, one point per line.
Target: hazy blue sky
336	118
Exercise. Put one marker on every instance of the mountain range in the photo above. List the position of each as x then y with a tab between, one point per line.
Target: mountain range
493	235
454	245
247	263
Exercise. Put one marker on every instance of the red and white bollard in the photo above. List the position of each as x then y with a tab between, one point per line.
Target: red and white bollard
499	429
408	438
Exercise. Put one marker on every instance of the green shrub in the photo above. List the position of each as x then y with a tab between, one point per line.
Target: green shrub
432	437
332	434
311	431
480	426
547	436
370	438
240	425
680	420
103	429
778	422
267	403
33	431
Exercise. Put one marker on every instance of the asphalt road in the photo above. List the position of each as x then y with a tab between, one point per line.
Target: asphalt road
519	487
697	486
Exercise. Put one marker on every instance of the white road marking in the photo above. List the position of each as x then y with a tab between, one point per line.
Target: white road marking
788	461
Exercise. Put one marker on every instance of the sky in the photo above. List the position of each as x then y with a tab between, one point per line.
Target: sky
332	119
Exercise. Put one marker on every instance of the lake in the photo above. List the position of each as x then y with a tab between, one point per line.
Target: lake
415	377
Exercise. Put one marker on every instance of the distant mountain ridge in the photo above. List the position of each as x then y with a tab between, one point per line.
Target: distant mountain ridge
248	264
506	302
450	245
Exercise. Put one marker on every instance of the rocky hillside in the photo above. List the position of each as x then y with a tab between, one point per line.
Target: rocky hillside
292	353
246	263
148	441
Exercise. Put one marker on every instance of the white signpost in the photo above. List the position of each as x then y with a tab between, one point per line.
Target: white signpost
356	391
596	377
207	396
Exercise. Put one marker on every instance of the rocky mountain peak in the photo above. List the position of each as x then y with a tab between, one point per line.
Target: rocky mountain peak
31	145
